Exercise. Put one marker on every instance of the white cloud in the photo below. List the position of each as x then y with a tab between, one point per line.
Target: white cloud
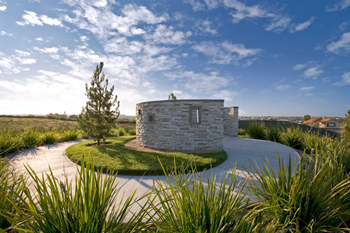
307	88
205	26
31	18
345	80
225	52
343	45
278	24
227	95
299	67
303	26
39	39
22	53
313	72
166	35
26	61
102	21
283	87
3	8
197	82
212	3
12	64
3	33
196	5
47	50
343	4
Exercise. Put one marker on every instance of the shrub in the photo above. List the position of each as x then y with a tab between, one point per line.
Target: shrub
241	132
70	135
293	137
9	142
132	131
121	132
49	138
189	205
310	199
274	134
256	130
8	182
86	204
30	138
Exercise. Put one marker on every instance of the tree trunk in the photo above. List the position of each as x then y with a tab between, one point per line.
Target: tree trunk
98	141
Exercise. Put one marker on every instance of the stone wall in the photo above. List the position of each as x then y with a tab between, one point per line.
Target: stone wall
231	121
181	125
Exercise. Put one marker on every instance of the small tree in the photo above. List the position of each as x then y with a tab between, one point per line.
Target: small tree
171	96
307	117
98	117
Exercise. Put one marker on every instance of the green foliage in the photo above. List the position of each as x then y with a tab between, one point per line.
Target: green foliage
9	142
85	205
293	137
132	132
171	96
30	138
49	138
310	199
274	134
307	117
346	128
241	132
256	130
70	135
114	156
8	182
97	117
121	132
190	205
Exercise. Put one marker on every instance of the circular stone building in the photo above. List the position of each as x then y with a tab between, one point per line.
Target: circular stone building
183	125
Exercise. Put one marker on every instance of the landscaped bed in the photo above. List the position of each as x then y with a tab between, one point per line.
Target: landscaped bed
115	157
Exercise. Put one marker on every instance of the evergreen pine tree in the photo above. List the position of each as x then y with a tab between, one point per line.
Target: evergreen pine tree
99	116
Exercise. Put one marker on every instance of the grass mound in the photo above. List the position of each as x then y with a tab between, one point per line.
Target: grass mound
115	157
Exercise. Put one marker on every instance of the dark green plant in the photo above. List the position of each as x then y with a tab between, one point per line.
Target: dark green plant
30	138
171	96
70	135
346	128
256	130
188	204
49	138
274	134
9	142
241	132
293	137
132	132
86	205
121	132
98	116
311	198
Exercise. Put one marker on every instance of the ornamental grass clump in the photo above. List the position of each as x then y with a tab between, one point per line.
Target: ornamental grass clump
274	134
310	198
121	131
30	138
49	138
70	135
86	204
256	130
9	142
188	204
293	137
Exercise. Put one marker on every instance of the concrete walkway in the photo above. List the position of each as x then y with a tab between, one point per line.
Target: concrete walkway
239	150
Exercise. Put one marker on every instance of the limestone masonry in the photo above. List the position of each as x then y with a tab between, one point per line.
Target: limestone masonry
185	125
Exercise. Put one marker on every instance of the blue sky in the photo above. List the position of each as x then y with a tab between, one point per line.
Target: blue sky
280	57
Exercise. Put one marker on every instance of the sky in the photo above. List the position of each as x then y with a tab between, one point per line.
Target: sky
276	57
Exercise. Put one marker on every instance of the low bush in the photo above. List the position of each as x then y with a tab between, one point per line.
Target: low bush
293	137
70	135
86	205
274	134
9	142
132	132
30	138
256	130
241	132
49	138
121	132
311	198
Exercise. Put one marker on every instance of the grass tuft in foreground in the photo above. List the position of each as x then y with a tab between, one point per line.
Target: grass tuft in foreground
115	157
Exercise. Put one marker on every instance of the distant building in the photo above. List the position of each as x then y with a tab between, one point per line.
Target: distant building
324	123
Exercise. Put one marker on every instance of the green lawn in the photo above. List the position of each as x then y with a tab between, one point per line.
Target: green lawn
115	157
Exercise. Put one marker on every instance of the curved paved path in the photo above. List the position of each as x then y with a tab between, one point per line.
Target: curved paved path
239	150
